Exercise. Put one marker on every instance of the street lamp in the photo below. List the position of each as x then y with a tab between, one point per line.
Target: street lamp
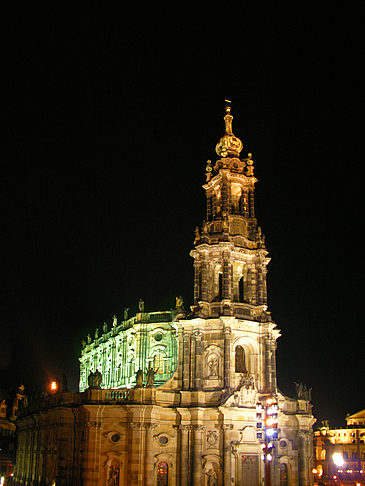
266	424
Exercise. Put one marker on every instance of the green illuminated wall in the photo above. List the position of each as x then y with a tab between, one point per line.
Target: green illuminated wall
144	341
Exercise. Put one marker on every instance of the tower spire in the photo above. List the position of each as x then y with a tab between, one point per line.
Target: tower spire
230	257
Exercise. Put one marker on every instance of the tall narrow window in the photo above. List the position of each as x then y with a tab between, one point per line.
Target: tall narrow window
162	474
220	287
240	360
241	290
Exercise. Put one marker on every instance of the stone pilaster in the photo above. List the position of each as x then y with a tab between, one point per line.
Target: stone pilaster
149	452
198	360
197	454
227	358
186	364
227	454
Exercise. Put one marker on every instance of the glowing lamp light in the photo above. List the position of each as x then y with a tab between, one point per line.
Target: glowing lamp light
269	457
270	432
53	387
270	401
314	471
338	459
2	479
270	422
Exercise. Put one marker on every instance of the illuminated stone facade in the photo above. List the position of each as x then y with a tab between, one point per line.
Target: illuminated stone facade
197	421
339	453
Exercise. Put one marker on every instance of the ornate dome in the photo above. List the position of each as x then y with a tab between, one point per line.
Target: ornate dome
229	145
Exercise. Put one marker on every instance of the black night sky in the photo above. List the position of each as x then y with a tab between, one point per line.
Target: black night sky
111	117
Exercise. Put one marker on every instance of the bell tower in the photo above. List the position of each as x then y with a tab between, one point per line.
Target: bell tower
230	256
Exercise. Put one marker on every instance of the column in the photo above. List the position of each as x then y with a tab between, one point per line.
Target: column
197	282
136	453
186	363
148	458
204	281
198	359
197	454
226	276
227	454
184	455
227	358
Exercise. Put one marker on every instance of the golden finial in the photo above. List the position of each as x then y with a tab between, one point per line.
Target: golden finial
229	145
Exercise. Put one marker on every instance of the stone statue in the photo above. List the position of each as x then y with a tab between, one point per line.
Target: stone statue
179	302
88	339
302	392
90	379
126	313
105	328
96	333
141	305
83	343
94	379
212	478
64	385
197	235
113	477
150	377
97	379
115	320
213	366
139	379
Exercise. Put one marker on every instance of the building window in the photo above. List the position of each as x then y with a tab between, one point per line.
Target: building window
220	286
241	290
158	364
283	475
162	474
240	360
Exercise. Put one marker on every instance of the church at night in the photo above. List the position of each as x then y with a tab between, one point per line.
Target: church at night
189	396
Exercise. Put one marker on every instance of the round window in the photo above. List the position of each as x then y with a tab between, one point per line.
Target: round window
163	439
115	438
158	336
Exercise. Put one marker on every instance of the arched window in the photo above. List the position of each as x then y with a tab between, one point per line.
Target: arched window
283	475
162	474
240	360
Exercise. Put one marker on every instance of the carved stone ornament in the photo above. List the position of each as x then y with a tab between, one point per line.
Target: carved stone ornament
246	396
212	438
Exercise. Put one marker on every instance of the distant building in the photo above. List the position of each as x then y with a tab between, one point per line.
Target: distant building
9	406
339	453
187	397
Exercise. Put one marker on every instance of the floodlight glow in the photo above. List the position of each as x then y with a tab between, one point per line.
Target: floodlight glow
270	432
338	459
270	421
269	457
